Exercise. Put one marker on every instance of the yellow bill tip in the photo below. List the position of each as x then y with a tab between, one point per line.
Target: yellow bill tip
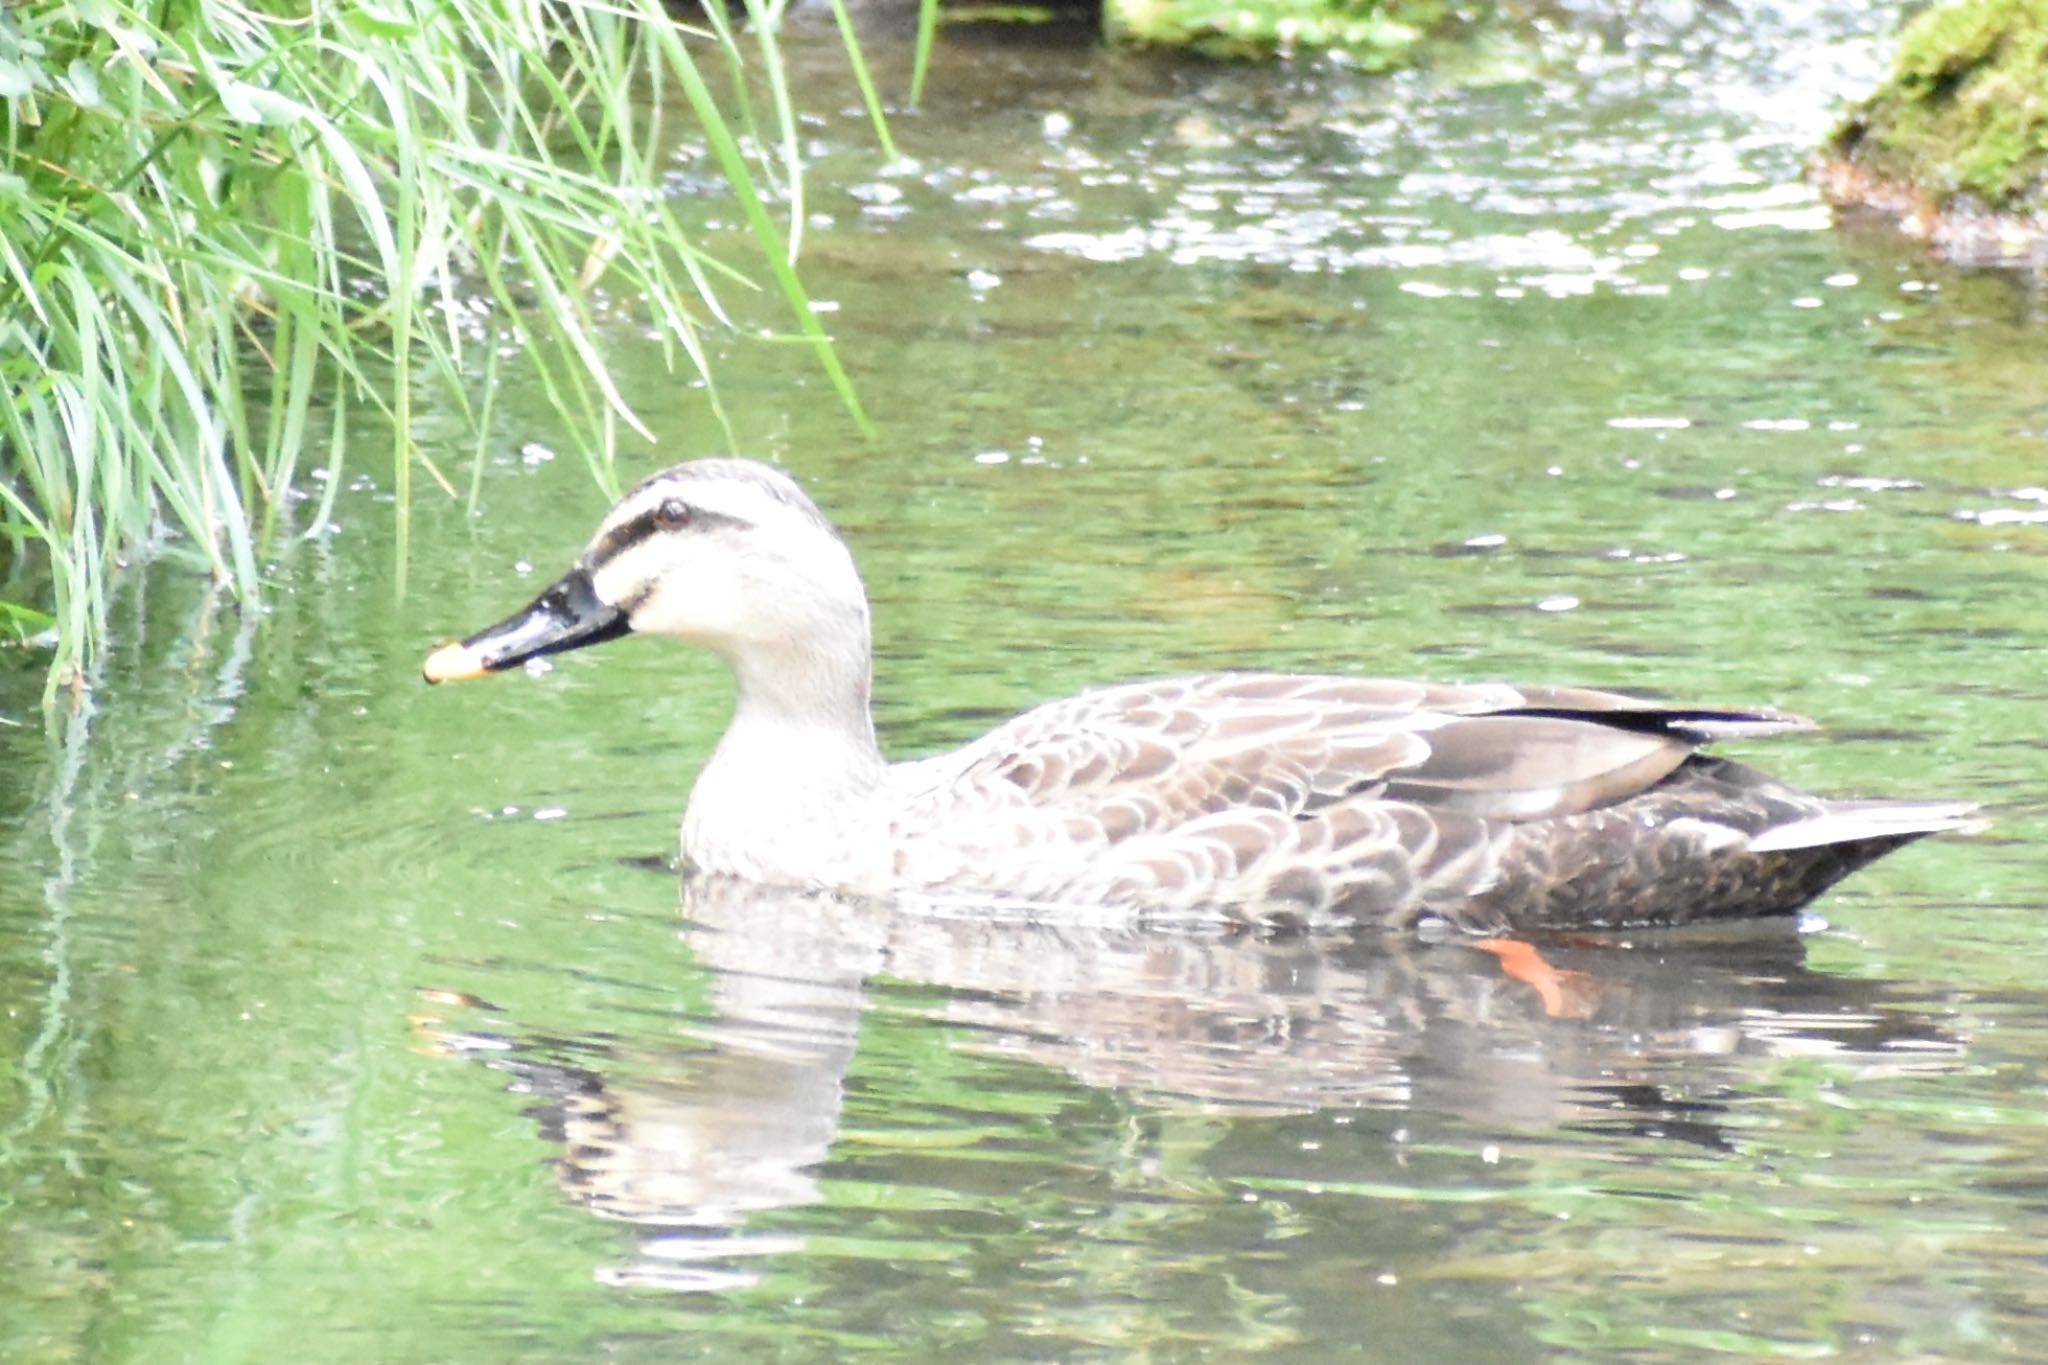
453	663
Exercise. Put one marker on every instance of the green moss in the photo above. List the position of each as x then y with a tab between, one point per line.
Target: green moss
1375	33
1964	114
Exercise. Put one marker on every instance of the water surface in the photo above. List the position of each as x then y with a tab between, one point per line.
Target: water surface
350	1021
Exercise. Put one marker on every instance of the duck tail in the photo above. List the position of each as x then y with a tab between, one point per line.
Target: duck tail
1886	823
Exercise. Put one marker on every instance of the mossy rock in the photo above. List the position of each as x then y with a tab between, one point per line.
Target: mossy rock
1963	118
1374	34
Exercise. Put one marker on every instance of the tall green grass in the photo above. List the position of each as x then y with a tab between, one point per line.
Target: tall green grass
232	233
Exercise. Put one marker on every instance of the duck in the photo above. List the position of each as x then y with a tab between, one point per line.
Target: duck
1231	799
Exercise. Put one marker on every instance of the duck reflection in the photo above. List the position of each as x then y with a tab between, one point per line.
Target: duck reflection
688	1140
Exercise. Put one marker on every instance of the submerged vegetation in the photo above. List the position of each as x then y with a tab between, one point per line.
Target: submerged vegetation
231	233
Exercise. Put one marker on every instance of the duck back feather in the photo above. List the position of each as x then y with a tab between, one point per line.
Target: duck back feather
1310	800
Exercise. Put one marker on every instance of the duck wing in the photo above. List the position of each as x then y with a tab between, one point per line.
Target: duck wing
1144	758
1280	797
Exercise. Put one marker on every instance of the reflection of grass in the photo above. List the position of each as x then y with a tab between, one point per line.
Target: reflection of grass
234	232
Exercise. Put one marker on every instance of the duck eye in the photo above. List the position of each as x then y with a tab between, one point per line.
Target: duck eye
672	515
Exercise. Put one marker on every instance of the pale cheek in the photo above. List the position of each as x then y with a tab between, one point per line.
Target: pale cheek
702	603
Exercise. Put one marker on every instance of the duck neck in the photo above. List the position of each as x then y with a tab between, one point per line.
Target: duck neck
814	703
788	792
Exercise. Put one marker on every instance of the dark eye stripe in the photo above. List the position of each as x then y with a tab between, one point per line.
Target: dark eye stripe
619	537
629	533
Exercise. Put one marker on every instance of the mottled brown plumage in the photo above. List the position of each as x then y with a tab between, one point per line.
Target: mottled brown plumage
1250	798
1288	799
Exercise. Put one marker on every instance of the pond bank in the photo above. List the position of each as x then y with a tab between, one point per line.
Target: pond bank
1954	143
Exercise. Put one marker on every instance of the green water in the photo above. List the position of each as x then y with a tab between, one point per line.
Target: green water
348	1021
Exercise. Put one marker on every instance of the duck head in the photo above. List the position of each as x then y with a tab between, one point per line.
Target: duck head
724	553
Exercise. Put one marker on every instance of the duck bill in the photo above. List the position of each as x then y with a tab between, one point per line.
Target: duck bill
567	616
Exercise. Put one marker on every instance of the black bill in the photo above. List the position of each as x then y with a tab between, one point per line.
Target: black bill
566	616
